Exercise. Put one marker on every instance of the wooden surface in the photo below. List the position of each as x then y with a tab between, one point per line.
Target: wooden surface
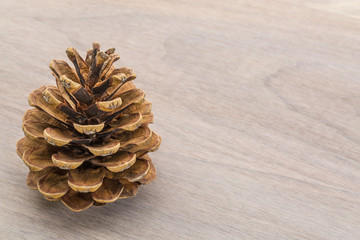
257	102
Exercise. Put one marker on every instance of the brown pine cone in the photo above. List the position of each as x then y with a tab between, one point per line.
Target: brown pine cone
87	138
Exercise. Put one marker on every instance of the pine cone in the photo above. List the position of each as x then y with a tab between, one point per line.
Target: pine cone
86	140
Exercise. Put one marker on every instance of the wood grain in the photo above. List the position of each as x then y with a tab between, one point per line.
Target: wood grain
257	103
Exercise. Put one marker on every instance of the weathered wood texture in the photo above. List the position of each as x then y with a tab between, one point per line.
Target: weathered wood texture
257	103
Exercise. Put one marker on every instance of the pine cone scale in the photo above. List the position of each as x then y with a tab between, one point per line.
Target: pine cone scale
151	174
116	163
109	148
34	177
86	179
130	189
69	159
35	154
109	191
77	201
36	99
89	129
54	184
136	171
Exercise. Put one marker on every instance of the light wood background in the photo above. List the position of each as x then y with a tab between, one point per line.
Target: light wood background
257	102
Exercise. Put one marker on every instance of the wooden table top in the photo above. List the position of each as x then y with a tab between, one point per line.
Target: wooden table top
257	103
